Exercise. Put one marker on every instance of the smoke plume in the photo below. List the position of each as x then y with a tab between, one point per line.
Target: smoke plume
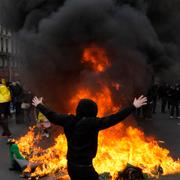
52	35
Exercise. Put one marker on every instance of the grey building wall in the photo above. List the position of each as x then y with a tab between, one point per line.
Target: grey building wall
8	52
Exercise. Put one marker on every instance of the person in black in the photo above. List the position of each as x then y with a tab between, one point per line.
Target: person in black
17	93
27	107
151	103
81	131
154	96
163	94
175	96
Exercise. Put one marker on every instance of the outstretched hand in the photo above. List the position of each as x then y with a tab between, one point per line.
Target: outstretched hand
36	101
141	101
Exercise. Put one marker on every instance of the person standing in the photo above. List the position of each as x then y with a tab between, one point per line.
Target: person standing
175	96
82	130
163	94
5	99
27	108
154	97
18	96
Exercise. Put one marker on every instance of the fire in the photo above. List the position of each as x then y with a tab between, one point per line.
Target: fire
27	142
115	151
116	86
103	98
96	57
117	146
50	160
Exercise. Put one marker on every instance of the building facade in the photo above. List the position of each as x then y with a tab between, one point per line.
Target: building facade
8	52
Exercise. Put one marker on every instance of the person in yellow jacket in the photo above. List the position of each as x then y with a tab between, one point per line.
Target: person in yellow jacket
5	99
43	123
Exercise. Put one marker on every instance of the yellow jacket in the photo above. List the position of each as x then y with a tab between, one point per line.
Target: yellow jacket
5	95
41	118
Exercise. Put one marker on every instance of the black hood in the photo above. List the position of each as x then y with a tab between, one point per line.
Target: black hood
86	108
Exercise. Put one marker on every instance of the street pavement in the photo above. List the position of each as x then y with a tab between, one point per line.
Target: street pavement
161	126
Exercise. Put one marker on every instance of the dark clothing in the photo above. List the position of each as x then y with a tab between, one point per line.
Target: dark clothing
80	172
164	102
154	96
4	108
175	106
17	95
86	108
17	91
163	91
174	100
19	113
163	94
4	112
28	110
82	134
154	105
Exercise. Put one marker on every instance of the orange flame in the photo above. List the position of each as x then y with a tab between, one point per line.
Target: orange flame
116	86
96	57
134	148
103	98
51	160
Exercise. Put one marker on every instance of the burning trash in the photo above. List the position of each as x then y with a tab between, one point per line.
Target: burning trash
147	154
131	173
135	173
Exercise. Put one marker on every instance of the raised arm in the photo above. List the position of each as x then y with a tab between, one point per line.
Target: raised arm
114	119
58	119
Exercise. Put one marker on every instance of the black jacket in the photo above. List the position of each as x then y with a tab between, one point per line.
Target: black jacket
82	134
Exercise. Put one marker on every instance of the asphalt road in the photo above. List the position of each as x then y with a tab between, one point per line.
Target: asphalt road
164	128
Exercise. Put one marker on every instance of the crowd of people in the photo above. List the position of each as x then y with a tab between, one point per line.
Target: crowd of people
17	101
168	95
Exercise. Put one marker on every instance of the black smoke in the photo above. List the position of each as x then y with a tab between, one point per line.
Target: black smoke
52	35
165	18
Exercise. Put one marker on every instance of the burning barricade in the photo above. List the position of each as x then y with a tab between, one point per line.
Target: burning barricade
148	159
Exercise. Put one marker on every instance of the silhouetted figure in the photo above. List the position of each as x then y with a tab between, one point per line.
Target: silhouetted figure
154	97
163	94
175	97
27	108
18	95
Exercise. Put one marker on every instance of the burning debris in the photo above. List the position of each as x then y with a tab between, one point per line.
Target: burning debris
133	147
131	173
